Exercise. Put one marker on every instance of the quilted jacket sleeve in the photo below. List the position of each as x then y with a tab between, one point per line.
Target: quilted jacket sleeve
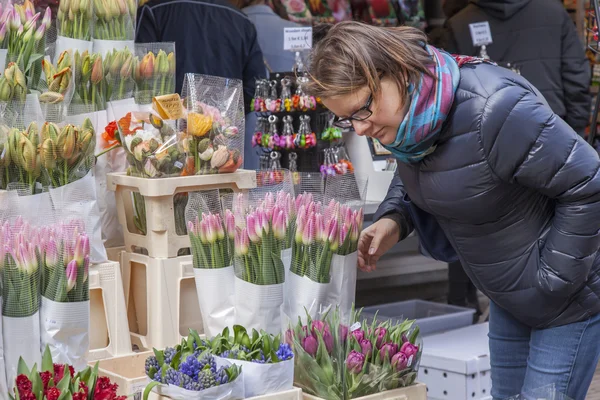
526	144
392	207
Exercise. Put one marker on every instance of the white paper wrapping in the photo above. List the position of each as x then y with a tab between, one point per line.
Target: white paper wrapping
117	109
3	54
65	328
79	199
107	46
258	306
231	391
215	297
304	295
3	383
64	43
261	379
342	288
36	207
21	338
33	110
286	258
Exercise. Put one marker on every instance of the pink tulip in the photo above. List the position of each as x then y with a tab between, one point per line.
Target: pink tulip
359	219
319	227
47	17
211	229
51	253
79	251
310	345
71	275
380	333
354	232
190	227
229	223
409	349
24	259
39	32
308	235
251	227
366	347
86	267
3	31
30	20
298	201
245	242
278	226
388	350
399	361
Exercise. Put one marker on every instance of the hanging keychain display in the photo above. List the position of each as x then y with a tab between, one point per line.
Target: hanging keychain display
305	139
273	141
342	164
286	141
260	96
327	168
332	132
286	94
301	101
259	131
273	102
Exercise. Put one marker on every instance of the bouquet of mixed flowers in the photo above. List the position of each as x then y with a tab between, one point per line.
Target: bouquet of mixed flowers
336	362
267	362
64	313
60	381
190	371
211	235
214	123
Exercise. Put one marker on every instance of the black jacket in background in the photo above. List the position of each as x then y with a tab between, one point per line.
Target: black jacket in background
540	38
211	37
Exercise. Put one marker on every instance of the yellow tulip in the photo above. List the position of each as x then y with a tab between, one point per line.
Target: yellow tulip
198	124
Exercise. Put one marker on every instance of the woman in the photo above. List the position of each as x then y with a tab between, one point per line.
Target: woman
515	190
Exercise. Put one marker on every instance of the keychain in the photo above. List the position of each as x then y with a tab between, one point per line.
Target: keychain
286	94
260	95
259	131
301	101
293	167
327	168
305	139
273	102
332	132
286	141
272	141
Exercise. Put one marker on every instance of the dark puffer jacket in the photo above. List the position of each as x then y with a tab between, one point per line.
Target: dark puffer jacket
517	193
540	38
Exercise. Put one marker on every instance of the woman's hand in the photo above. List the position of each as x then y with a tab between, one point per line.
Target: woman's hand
375	241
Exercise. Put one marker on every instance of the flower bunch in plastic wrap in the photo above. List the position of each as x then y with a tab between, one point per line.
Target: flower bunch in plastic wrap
59	78
66	261
261	347
320	233
120	65
154	75
212	240
90	80
260	237
189	366
151	146
60	381
13	85
114	19
74	19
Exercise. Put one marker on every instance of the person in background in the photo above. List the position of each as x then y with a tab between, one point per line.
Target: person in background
439	36
269	27
538	38
211	37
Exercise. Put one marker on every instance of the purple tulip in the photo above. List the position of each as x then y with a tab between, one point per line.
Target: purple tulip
409	349
404	338
319	326
388	350
367	347
380	333
355	362
328	339
399	361
343	333
310	345
358	335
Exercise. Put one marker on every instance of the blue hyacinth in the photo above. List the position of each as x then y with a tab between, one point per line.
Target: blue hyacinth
150	363
284	352
158	376
191	367
169	353
173	377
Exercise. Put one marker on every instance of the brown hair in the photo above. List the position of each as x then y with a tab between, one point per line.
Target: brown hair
350	55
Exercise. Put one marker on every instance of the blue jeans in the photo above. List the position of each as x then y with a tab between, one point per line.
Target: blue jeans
525	359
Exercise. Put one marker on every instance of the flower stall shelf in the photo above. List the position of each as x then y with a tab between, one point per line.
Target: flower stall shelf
456	364
128	372
109	336
161	299
418	391
158	229
293	394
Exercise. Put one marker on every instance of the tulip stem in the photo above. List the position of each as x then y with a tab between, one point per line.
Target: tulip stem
107	150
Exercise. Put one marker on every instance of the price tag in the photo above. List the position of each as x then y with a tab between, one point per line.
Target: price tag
168	106
355	327
296	39
481	33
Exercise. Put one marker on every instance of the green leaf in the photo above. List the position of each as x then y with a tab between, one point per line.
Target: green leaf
238	332
149	388
91	382
176	360
245	339
22	368
225	332
276	342
152	372
255	336
63	385
414	335
160	356
37	384
47	364
65	395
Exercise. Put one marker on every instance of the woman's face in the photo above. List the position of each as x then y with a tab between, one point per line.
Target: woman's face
388	108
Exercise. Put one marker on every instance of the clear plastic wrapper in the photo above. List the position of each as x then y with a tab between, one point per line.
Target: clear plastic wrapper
91	88
114	21
214	123
212	233
74	25
153	70
57	87
153	150
119	74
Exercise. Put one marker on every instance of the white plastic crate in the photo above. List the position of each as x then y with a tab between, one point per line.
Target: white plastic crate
456	364
418	391
161	239
109	336
161	299
128	372
294	394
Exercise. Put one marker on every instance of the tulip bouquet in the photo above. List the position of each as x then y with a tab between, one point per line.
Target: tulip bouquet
151	146
13	86
214	135
114	19
338	363
74	19
60	381
267	363
154	74
59	78
27	41
20	245
120	74
190	371
90	80
64	313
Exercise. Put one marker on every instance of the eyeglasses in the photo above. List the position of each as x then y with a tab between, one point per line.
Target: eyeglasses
361	114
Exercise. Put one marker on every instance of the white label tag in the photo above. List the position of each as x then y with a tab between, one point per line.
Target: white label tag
355	326
481	33
178	164
410	360
295	39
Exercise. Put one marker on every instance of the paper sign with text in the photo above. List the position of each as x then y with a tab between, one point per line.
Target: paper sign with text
481	33
296	39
